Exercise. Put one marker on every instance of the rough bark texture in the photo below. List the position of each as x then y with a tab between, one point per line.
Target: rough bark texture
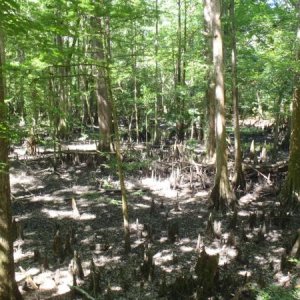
210	90
238	177
8	286
221	195
103	101
291	191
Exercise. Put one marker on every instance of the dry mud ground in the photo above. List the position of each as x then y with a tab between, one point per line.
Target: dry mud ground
42	203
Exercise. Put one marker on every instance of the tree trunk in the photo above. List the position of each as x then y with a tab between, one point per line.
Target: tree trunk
238	177
221	195
290	195
178	78
157	108
8	286
118	149
210	90
103	101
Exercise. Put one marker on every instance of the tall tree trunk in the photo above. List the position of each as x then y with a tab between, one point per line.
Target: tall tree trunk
238	177
157	108
290	195
103	101
178	78
118	147
210	89
222	195
8	286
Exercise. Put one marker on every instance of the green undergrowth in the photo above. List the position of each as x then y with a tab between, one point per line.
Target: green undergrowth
278	293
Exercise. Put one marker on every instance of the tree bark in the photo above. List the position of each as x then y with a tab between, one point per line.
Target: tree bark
290	195
103	101
8	286
238	177
210	89
222	195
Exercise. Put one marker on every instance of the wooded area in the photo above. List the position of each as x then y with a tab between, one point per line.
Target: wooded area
149	149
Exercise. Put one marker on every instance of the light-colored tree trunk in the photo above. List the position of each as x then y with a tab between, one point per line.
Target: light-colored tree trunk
238	177
290	195
210	89
222	195
179	77
8	286
157	108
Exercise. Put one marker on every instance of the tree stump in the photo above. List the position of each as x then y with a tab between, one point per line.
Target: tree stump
207	272
173	231
75	266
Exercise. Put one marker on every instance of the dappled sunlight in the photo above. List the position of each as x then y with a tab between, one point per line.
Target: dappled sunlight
246	200
186	249
160	187
21	180
154	206
57	213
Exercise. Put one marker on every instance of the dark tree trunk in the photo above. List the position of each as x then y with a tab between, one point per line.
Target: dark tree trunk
290	195
8	286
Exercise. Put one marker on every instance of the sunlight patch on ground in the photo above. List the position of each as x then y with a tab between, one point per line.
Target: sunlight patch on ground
273	236
19	255
140	205
22	178
186	249
79	189
44	198
103	260
247	199
163	240
243	213
21	276
202	194
245	273
87	216
261	259
80	147
57	214
161	188
163	257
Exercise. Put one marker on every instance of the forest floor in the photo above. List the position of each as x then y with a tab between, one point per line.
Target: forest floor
252	243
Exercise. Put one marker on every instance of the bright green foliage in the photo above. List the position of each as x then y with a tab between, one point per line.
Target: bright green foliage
50	65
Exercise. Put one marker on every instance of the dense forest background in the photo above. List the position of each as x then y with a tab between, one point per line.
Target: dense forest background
154	149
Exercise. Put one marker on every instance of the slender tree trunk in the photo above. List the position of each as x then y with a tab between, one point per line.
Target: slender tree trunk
8	286
157	108
290	195
178	78
277	105
222	195
62	95
238	177
210	90
118	148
